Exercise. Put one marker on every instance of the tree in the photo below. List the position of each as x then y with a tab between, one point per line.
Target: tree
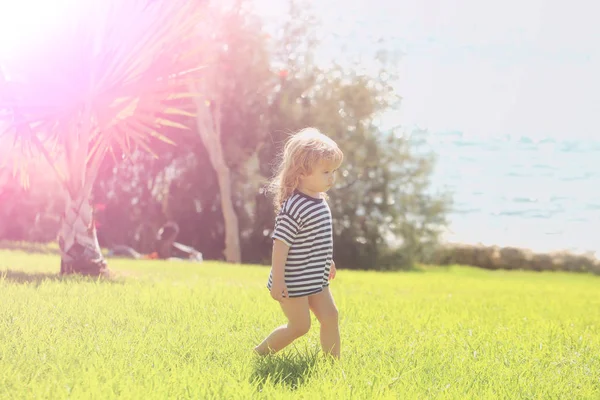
385	214
237	81
129	196
236	70
102	85
29	214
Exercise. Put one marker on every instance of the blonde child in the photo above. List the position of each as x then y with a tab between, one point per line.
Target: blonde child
302	262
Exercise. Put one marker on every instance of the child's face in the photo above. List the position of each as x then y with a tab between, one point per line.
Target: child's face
322	177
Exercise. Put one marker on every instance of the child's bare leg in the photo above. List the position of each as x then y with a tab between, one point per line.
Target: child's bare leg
323	306
297	312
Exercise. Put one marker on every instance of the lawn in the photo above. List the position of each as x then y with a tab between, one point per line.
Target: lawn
177	330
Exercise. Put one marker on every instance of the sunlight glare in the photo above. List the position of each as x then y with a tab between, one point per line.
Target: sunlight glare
28	23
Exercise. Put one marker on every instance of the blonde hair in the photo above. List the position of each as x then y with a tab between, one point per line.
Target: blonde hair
301	153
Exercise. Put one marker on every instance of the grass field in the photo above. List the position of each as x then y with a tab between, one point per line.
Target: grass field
177	330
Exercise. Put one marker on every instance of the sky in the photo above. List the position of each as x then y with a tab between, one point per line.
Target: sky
519	68
25	22
522	68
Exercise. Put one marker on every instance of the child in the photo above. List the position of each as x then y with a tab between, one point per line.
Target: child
302	262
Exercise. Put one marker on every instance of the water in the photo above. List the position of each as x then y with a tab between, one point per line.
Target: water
466	69
539	194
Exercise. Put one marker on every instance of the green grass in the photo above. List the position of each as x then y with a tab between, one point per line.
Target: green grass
178	330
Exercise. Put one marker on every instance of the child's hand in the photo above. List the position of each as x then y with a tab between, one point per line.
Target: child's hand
279	290
332	270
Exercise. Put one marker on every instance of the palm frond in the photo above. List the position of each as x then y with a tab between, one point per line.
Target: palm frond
105	79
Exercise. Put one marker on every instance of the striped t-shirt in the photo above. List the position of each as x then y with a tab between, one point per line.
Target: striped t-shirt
304	224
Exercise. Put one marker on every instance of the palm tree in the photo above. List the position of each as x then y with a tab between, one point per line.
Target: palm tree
103	83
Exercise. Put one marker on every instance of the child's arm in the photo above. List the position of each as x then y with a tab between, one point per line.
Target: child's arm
280	253
332	271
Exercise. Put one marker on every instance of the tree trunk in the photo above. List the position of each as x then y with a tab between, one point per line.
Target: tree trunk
232	250
209	127
232	241
79	248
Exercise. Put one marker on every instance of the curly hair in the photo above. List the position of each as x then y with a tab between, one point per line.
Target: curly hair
301	153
